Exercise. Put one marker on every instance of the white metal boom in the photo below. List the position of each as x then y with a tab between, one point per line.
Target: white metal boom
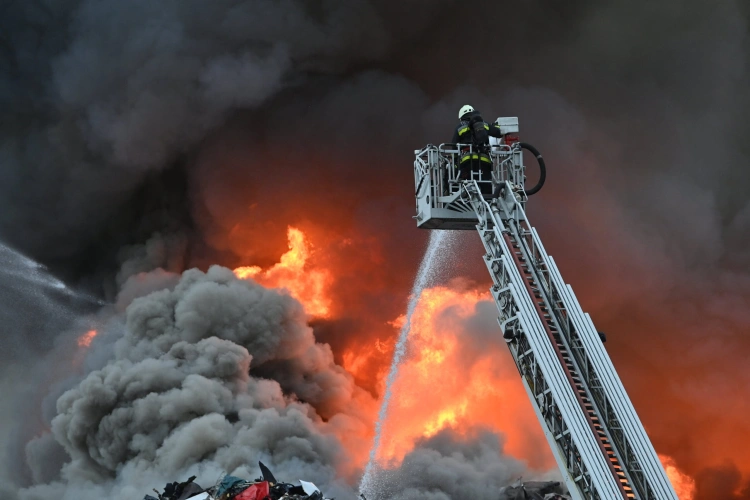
592	428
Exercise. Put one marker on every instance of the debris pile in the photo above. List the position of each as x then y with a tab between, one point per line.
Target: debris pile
535	490
235	488
268	488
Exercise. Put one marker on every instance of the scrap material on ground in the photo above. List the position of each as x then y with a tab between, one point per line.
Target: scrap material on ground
536	490
234	488
268	488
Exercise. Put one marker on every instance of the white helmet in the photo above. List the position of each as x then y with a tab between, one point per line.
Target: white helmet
465	109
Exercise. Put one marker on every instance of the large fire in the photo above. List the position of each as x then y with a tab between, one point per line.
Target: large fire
457	372
457	375
309	286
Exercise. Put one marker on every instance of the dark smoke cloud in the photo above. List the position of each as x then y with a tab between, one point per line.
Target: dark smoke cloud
98	95
724	481
142	135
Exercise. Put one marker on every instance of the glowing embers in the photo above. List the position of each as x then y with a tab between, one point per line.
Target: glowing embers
86	339
309	286
458	374
683	484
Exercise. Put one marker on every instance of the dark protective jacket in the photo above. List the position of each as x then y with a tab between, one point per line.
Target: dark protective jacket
462	134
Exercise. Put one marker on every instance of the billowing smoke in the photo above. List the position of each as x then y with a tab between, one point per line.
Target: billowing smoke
177	134
448	466
97	95
180	393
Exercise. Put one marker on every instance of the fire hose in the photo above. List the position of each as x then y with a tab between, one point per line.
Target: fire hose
542	168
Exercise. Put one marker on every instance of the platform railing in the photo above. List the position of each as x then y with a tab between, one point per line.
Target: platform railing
437	168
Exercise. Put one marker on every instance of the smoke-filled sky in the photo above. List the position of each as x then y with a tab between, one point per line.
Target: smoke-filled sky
141	139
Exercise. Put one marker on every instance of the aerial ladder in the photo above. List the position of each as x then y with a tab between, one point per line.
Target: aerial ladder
588	419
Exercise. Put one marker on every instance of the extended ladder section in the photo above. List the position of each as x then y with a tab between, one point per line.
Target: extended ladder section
593	430
590	423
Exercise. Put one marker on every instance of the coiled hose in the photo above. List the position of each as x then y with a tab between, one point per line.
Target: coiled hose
542	168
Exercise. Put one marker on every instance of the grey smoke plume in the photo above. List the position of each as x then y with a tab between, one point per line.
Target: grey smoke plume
206	373
449	465
178	395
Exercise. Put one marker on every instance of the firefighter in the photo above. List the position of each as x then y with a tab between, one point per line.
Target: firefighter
473	130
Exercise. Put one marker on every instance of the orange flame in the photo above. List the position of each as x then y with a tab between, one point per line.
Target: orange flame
683	484
450	379
86	339
309	286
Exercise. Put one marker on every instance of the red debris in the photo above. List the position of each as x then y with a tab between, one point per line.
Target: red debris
258	491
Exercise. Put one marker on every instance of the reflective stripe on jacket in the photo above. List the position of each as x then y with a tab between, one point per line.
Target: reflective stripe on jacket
462	134
475	156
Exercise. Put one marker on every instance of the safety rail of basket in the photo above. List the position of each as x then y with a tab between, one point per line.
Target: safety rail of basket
441	165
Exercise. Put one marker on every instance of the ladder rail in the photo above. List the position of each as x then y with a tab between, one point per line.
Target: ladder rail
634	450
629	448
573	374
557	349
640	456
581	443
554	383
578	366
554	426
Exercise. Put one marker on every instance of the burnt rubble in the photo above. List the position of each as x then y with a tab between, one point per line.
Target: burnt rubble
267	487
535	490
234	488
